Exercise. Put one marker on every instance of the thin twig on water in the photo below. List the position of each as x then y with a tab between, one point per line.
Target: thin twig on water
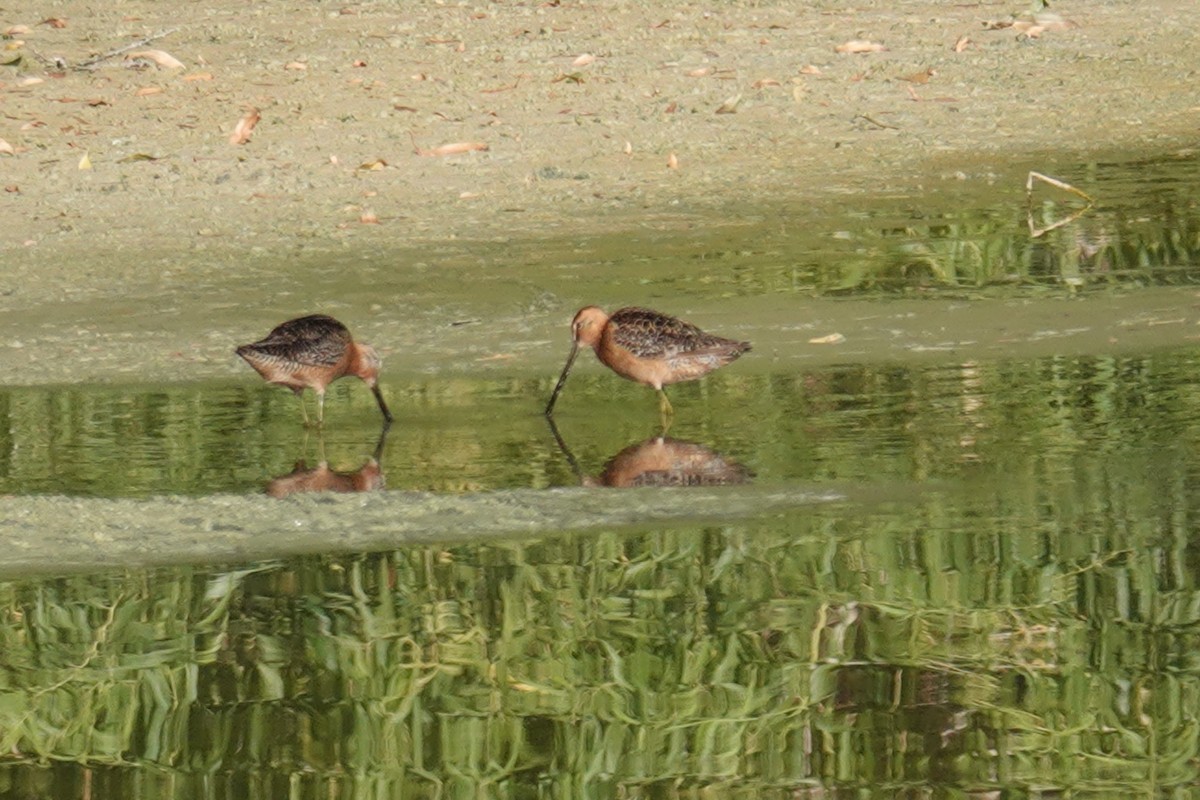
1034	230
1066	187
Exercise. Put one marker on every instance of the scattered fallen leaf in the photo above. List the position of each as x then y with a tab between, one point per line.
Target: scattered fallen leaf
569	77
368	217
996	24
373	166
298	66
198	76
241	133
85	162
763	83
583	60
10	60
334	160
698	73
17	30
859	46
919	77
468	195
810	69
1027	28
30	81
148	90
672	162
452	149
730	105
12	188
628	149
962	43
497	357
54	22
7	148
833	338
160	57
498	89
358	62
671	107
137	157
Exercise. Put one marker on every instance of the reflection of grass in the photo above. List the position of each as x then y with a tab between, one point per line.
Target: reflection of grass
1029	628
958	250
761	656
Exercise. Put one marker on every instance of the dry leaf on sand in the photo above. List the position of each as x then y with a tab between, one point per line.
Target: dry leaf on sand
245	126
160	57
452	149
859	46
730	105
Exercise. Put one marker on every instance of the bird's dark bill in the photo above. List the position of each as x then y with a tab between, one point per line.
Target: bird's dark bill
562	379
387	415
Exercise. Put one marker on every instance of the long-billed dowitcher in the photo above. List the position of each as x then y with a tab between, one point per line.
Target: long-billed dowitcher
648	347
312	352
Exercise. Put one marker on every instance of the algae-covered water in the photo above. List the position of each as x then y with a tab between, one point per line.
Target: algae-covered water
950	554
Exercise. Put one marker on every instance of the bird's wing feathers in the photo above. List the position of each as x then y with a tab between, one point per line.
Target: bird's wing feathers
316	340
649	334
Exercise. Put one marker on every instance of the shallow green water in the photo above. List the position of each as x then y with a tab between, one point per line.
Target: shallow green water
852	423
1003	602
1024	616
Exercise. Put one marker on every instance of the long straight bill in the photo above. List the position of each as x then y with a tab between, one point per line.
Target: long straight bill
562	379
387	415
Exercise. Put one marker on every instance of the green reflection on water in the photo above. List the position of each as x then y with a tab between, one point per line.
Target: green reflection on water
938	645
1027	624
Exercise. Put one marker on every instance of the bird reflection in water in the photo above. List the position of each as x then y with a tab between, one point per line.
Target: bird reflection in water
321	478
660	461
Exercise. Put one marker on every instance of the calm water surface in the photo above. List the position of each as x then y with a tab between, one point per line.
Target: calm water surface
1007	608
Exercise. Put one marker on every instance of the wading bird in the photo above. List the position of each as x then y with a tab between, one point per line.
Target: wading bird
311	353
648	347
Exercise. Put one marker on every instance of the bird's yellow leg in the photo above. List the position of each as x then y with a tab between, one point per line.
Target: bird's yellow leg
303	409
664	405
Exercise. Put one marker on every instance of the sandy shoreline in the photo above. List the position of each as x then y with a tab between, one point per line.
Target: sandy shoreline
172	232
